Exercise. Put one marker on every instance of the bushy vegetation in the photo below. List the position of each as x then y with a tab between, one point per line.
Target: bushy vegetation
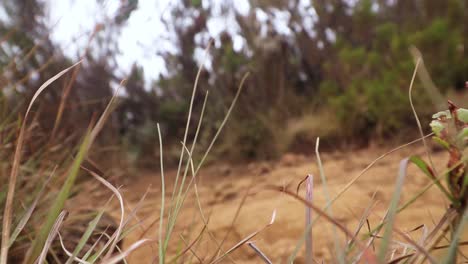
350	59
355	63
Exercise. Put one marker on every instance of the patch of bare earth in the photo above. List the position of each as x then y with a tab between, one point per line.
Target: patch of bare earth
222	188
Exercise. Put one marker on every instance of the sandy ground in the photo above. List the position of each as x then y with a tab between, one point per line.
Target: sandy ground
222	188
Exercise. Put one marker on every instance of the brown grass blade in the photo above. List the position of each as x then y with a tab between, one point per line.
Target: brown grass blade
236	215
370	257
130	249
53	233
245	240
259	253
188	247
29	212
122	210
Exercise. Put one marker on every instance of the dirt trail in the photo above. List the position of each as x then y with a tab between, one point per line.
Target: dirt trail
222	188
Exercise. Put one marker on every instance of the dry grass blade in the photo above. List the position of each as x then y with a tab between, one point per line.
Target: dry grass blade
353	180
7	213
363	219
94	245
370	257
29	212
51	237
399	259
424	76
130	249
245	240
135	209
410	90
68	253
122	209
236	215
259	253
105	114
188	247
445	220
413	243
308	228
308	223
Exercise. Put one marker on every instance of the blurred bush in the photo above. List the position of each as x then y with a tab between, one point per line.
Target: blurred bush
335	69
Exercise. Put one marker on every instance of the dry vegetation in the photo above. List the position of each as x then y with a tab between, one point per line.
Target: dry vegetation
185	227
73	189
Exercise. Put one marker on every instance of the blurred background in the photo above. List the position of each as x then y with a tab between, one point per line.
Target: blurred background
338	70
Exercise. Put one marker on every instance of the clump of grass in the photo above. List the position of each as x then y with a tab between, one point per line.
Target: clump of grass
39	225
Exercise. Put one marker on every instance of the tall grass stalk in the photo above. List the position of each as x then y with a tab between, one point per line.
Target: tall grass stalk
175	209
184	141
309	258
338	249
163	196
418	122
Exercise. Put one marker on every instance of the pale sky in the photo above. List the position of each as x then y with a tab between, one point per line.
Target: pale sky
142	36
139	40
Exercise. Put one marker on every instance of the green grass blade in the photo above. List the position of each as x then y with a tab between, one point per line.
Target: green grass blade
452	252
58	203
163	203
339	251
392	212
85	237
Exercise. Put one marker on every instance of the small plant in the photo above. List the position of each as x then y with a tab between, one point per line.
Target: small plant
451	132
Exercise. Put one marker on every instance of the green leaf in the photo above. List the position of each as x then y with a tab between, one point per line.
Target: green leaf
440	114
462	115
422	165
442	142
437	127
463	134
